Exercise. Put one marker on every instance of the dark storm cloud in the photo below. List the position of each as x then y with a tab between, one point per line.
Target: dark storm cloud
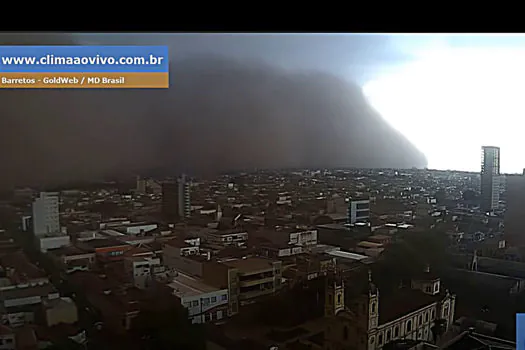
219	114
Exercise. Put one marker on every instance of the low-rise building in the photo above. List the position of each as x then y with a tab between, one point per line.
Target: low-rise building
48	242
218	239
204	303
60	311
303	237
142	270
71	258
178	247
27	294
246	279
106	249
7	338
280	251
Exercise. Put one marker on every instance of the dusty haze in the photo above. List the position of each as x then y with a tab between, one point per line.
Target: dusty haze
219	114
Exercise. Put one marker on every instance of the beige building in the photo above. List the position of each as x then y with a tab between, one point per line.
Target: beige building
61	310
369	322
246	279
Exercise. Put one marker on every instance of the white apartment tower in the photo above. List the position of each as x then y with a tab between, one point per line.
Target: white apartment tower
359	210
490	178
46	214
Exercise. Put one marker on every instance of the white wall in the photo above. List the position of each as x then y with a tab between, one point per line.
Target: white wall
46	243
46	214
197	305
308	237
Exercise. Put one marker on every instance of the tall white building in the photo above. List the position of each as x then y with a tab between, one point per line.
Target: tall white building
46	214
359	210
490	178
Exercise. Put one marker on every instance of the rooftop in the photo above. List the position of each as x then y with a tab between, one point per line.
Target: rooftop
249	264
347	255
186	286
29	291
67	251
105	243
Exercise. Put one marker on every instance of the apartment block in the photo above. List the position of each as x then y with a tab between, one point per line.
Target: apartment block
246	279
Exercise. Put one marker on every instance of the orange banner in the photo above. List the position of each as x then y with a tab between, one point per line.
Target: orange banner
84	80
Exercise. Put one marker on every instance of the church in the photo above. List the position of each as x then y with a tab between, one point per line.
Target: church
421	311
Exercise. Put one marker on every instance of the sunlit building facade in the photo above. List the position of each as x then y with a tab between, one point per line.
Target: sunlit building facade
490	178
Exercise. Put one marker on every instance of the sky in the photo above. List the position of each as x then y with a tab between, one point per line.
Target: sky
448	94
276	100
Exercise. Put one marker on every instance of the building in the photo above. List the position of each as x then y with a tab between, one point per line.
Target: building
46	214
490	178
7	338
246	279
46	242
358	210
225	238
140	187
106	249
176	201
303	237
177	247
142	270
370	322
204	303
60	311
71	259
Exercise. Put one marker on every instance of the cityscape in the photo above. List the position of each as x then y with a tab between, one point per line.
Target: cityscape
261	191
291	259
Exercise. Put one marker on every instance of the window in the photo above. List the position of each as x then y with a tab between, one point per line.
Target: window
419	320
373	307
426	317
213	299
219	314
205	301
409	325
338	299
372	340
445	311
345	332
387	336
396	331
224	297
209	316
380	339
436	287
432	314
277	271
195	303
188	304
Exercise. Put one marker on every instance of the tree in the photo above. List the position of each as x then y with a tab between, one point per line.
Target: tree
168	328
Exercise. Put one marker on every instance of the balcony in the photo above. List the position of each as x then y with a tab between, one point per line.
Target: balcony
254	294
254	282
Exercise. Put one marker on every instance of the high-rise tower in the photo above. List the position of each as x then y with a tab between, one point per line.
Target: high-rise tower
490	178
176	201
46	214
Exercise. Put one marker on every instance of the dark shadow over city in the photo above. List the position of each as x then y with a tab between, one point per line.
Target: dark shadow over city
219	114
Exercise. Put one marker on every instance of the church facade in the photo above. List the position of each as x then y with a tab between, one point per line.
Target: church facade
421	311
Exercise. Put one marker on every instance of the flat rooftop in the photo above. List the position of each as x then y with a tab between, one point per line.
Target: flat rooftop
104	243
347	255
249	264
186	286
